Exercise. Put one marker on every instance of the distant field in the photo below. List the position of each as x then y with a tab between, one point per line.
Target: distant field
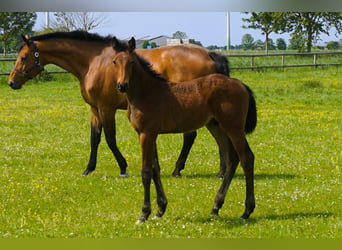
297	143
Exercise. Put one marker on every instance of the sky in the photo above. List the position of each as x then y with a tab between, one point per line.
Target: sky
210	28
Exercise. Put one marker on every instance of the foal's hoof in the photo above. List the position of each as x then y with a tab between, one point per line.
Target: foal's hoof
124	175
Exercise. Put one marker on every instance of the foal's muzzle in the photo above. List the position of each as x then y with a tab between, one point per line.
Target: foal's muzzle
122	87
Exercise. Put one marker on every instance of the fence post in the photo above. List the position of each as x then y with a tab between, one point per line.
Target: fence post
315	60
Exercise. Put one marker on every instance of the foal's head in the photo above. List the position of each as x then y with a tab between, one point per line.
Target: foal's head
123	61
27	64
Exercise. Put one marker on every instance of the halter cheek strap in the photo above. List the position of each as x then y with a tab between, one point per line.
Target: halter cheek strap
36	64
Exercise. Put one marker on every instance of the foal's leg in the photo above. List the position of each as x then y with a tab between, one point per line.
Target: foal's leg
108	117
188	141
231	159
161	198
95	138
148	149
247	162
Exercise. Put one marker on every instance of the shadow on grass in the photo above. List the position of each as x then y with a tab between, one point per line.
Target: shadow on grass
238	222
237	176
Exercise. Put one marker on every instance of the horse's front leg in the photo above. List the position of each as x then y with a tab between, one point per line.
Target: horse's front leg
95	138
148	148
109	126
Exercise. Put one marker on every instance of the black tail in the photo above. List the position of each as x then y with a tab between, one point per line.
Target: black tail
251	120
221	62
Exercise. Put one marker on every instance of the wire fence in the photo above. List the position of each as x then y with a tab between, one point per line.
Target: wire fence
257	61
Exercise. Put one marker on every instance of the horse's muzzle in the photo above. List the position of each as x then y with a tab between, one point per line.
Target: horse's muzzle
14	84
122	87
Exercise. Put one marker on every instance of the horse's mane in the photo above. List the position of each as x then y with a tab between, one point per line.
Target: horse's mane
147	66
75	35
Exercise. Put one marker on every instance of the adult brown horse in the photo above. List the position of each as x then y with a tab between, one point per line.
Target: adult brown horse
89	57
224	105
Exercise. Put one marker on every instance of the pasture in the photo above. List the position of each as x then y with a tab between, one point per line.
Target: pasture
297	145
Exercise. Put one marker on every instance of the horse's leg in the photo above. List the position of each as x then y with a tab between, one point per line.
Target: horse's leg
231	161
246	157
95	138
188	141
223	167
161	198
108	117
148	149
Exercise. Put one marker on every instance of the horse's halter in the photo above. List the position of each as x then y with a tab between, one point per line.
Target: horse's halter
36	64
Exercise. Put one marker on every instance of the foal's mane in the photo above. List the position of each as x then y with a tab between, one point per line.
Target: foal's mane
148	68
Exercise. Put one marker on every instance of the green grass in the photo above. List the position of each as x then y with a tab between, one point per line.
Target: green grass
45	146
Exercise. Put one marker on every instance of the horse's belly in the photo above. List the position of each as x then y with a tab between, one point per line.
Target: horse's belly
186	122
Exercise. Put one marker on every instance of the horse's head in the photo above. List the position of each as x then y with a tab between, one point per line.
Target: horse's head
123	61
27	64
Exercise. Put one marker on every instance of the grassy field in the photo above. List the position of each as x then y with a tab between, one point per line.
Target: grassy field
45	146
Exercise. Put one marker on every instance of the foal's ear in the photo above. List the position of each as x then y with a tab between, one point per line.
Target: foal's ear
131	44
116	44
26	39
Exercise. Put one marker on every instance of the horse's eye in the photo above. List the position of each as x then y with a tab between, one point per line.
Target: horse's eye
114	61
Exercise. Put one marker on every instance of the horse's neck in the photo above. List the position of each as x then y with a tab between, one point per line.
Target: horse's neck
72	55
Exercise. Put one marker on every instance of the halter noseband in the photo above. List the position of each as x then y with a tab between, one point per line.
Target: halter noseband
36	64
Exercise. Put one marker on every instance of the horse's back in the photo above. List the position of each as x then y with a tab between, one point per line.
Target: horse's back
180	63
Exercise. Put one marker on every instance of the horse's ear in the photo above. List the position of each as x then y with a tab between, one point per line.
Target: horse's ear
26	39
115	43
131	44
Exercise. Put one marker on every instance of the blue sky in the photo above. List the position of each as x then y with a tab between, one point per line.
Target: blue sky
210	28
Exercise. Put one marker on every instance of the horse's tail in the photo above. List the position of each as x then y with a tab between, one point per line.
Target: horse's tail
221	63
251	120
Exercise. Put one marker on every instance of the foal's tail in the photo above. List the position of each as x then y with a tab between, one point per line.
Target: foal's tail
221	63
251	120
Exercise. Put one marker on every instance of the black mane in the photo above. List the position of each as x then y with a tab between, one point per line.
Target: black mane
75	35
148	67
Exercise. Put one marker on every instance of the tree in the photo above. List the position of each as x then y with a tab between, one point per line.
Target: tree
247	41
333	45
309	25
296	43
14	23
179	35
68	21
281	44
265	21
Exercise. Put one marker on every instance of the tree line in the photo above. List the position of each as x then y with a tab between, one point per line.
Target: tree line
305	27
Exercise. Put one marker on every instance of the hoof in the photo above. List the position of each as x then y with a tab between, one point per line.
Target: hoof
244	216
140	221
176	174
220	175
124	175
87	172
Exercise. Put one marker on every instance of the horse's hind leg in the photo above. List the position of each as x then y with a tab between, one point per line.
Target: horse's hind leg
109	127
231	161
95	138
188	141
